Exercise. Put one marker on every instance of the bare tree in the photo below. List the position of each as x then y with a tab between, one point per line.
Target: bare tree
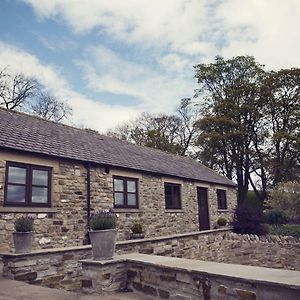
24	93
16	90
49	107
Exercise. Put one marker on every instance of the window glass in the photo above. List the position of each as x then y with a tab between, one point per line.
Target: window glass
118	185
39	195
40	177
222	199
15	193
119	199
172	196
131	186
17	175
131	199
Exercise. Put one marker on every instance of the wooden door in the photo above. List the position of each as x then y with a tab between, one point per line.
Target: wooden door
202	194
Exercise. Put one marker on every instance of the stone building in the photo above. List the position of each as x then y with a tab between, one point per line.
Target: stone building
60	175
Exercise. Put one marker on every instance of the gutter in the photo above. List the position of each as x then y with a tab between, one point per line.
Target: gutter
88	194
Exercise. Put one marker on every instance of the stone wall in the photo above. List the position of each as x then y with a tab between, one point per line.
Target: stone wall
60	267
171	278
65	223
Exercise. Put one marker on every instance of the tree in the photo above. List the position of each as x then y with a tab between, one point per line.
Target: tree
231	89
171	133
18	92
282	92
49	107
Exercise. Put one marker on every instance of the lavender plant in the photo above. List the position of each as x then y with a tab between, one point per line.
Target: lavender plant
24	224
103	219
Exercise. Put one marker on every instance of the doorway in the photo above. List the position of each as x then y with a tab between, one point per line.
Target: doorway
202	195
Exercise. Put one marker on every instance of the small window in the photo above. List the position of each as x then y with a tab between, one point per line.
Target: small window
125	192
222	199
172	196
27	185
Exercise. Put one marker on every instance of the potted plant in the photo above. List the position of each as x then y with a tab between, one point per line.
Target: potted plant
222	222
103	234
23	235
137	231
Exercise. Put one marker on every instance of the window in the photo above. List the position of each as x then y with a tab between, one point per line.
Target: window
172	196
125	192
222	199
27	185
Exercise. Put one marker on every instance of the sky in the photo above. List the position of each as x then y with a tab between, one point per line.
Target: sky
110	60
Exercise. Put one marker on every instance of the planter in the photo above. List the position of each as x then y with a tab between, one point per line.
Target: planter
135	236
23	241
103	243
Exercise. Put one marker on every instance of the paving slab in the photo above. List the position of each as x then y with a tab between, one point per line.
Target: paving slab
17	290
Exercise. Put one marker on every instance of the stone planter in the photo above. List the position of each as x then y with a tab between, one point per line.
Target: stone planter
135	236
103	243
23	241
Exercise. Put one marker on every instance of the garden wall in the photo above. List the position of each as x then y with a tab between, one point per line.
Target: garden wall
158	277
60	267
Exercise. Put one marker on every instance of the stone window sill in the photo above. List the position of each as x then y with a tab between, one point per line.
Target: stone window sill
127	210
27	210
174	210
223	210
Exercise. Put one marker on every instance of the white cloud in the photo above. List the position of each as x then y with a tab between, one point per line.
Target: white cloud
105	71
86	112
196	28
266	29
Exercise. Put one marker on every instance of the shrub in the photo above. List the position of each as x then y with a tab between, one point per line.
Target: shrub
137	228
103	220
253	200
248	220
24	224
222	221
286	197
276	216
285	229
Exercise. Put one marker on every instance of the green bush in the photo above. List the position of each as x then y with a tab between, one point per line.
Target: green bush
285	229
276	216
248	220
253	200
137	228
286	196
222	221
103	220
24	224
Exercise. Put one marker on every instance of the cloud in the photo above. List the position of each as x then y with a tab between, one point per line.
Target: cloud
268	30
198	29
156	91
86	112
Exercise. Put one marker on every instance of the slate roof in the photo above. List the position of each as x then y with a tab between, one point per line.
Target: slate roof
28	133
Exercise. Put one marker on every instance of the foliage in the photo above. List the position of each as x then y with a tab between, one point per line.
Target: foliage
137	228
276	216
248	220
222	221
24	224
285	230
253	200
171	133
286	197
103	219
18	92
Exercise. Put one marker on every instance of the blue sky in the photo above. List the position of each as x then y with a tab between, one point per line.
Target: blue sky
111	60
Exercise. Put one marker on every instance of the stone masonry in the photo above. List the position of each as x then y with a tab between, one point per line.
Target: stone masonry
65	224
61	268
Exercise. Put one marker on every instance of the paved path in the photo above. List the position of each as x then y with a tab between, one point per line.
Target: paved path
17	290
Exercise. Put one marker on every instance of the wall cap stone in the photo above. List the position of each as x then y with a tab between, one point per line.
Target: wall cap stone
5	209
